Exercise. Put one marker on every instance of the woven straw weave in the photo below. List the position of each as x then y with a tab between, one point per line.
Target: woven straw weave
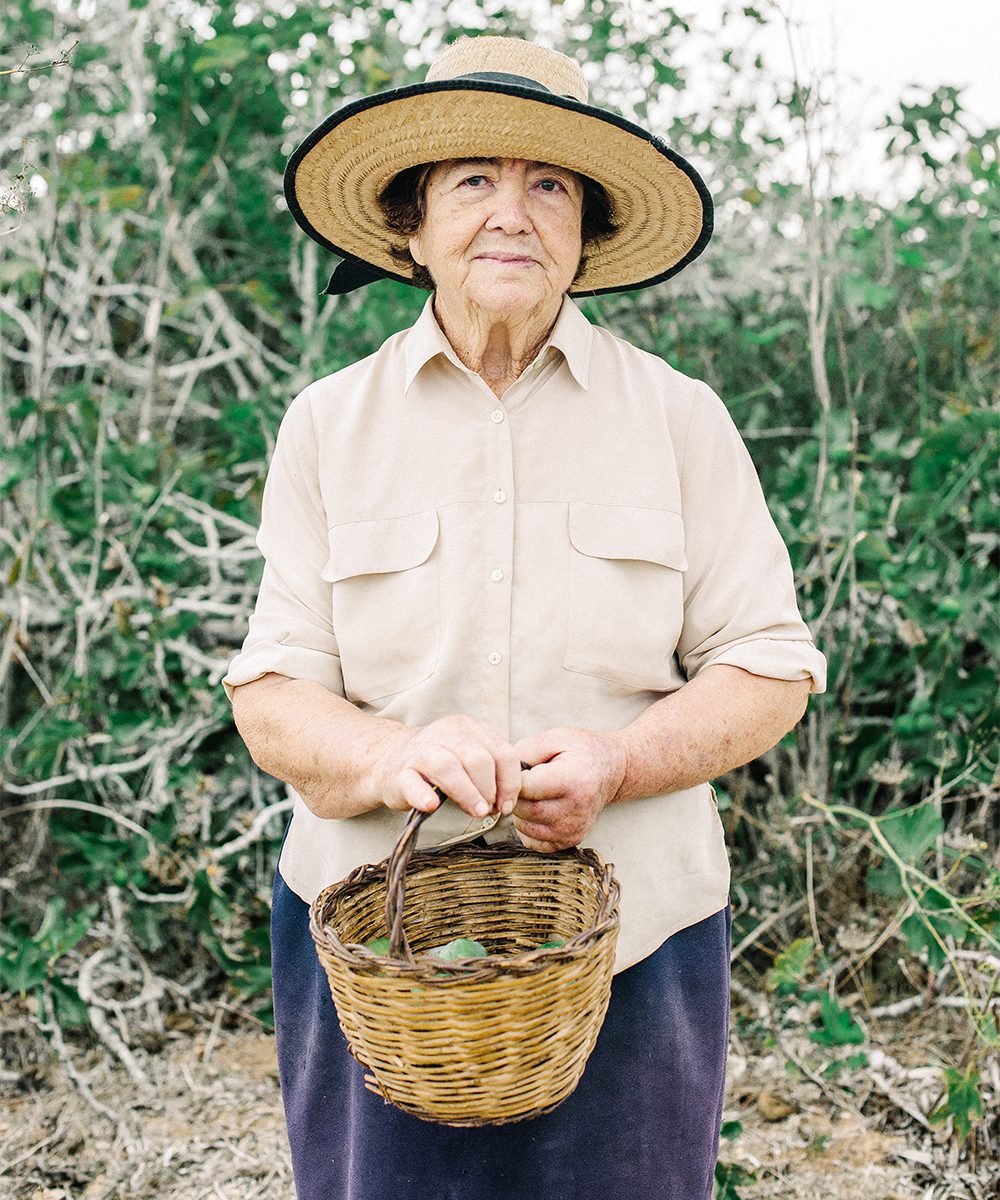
498	97
560	74
478	1041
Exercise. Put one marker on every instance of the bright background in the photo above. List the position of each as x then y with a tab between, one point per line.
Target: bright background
158	311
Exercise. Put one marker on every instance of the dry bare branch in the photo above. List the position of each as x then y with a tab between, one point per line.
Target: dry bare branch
257	827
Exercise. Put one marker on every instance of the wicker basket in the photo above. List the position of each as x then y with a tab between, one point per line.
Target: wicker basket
478	1041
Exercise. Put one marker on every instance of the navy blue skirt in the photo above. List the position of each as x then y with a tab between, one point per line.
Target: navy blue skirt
643	1121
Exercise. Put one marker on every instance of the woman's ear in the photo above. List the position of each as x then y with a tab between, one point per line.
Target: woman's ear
415	250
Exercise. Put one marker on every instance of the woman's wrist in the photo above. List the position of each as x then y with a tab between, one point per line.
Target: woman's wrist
317	742
721	719
623	742
383	740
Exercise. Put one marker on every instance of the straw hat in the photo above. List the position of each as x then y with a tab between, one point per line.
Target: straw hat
496	97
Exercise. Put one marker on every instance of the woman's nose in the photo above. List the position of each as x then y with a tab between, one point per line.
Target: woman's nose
510	208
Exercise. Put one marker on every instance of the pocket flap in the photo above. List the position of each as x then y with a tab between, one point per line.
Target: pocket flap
621	531
375	547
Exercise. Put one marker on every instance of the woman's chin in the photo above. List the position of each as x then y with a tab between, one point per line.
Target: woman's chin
508	297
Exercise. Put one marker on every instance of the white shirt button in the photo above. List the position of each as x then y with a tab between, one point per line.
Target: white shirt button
497	415
496	658
499	496
496	574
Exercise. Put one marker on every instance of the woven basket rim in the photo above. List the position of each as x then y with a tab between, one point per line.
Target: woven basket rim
435	971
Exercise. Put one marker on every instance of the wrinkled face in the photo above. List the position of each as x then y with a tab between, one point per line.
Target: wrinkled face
502	234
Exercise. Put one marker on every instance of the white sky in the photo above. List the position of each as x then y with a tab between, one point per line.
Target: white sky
876	49
891	43
887	44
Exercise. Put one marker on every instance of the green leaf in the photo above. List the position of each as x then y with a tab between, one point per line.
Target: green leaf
730	1176
15	270
666	75
933	923
71	1012
459	948
910	256
23	970
127	196
29	962
886	879
58	933
221	54
207	904
862	292
912	831
378	946
789	970
764	337
839	1027
964	1104
251	979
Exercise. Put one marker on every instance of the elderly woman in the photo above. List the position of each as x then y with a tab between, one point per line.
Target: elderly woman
509	537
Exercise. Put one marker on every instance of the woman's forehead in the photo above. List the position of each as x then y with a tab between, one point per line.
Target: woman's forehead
457	164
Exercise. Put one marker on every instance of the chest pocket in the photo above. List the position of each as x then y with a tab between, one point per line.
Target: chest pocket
386	602
626	600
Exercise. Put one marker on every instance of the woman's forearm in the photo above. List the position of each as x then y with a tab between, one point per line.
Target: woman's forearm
326	749
721	719
343	762
314	740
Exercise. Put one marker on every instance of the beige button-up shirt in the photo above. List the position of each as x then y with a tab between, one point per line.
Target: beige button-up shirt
563	556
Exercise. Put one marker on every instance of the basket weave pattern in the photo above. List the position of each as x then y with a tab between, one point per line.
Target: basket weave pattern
484	1040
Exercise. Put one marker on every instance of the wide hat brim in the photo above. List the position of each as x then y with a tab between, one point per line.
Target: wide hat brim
334	178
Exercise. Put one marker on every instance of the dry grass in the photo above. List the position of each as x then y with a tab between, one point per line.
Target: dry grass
211	1128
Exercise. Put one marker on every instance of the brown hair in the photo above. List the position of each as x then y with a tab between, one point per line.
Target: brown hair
403	202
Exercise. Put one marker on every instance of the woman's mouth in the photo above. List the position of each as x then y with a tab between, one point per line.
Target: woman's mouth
509	259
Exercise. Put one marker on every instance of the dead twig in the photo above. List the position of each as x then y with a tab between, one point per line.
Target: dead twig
50	1027
81	806
253	834
898	1099
62	61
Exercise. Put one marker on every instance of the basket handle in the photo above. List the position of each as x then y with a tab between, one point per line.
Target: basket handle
395	880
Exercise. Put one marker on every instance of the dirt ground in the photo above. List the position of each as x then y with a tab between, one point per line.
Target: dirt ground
201	1119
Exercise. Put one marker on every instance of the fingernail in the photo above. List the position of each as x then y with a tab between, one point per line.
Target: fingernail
482	808
508	807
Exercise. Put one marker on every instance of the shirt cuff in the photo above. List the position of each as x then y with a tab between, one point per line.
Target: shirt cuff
297	662
772	658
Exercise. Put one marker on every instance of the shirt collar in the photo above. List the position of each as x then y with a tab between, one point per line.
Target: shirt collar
572	335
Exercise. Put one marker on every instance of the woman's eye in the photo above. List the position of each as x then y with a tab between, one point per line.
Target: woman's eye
550	185
474	180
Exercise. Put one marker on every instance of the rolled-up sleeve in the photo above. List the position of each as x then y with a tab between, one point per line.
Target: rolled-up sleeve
739	593
291	630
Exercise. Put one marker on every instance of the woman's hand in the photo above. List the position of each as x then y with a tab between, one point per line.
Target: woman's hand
473	766
574	774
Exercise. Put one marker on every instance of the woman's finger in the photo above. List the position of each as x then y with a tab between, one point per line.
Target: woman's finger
507	773
474	767
416	792
489	761
537	838
544	745
544	821
544	782
473	793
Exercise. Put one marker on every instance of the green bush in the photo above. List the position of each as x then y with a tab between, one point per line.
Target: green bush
160	310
